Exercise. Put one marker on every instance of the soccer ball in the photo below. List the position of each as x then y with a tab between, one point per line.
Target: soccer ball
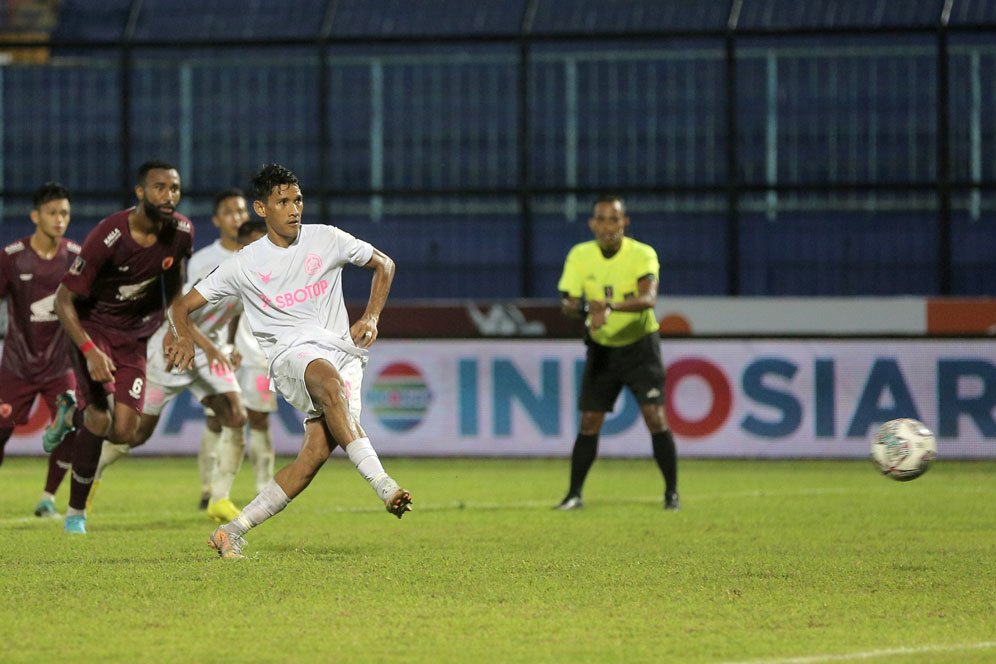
903	449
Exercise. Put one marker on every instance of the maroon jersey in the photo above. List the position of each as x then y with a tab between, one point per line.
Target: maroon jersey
121	284
36	348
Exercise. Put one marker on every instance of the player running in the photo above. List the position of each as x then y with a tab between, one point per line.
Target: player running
212	380
36	349
110	302
259	399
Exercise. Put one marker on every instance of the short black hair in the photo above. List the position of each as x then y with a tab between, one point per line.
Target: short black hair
610	198
50	191
252	226
151	165
224	195
270	176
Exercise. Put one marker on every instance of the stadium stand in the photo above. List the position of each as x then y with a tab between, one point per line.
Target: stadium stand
836	164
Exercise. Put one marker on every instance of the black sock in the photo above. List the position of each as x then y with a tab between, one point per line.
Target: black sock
667	459
5	435
59	462
585	449
86	454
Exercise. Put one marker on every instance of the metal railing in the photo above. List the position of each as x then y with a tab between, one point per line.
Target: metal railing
727	126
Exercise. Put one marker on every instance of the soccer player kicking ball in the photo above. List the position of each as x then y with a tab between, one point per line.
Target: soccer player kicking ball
291	290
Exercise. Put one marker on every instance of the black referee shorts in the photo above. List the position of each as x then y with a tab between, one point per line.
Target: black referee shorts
608	369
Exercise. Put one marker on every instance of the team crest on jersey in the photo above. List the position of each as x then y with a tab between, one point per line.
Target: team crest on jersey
312	264
167	262
43	310
14	247
266	277
77	266
133	291
112	237
5	410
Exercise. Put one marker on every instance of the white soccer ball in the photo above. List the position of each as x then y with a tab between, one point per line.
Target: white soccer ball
903	449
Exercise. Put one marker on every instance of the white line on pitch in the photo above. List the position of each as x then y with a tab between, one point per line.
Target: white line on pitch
872	654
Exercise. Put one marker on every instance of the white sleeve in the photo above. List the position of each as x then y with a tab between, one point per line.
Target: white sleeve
223	281
351	249
194	269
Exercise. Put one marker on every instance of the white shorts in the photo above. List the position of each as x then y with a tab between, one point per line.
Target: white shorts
162	386
288	376
256	392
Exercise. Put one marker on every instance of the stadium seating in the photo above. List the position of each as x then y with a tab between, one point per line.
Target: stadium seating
603	113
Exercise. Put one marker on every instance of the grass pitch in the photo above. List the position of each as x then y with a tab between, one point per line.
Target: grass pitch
767	561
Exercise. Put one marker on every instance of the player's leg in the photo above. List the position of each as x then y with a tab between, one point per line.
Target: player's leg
61	459
16	399
231	450
645	378
665	452
93	423
582	457
260	446
337	395
290	481
5	434
600	387
207	455
259	401
59	463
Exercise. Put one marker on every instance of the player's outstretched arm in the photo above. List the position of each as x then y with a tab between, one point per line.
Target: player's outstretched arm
364	330
99	364
178	345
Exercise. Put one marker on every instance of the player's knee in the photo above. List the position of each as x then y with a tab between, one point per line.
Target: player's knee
333	395
591	423
97	421
259	421
235	418
122	433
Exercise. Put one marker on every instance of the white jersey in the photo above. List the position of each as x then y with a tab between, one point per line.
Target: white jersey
292	295
248	347
214	318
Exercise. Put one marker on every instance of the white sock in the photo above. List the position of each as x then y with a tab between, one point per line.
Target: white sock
270	501
48	496
207	457
110	453
231	449
363	456
72	511
261	455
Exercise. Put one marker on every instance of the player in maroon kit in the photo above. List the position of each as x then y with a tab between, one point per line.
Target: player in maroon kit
110	302
36	350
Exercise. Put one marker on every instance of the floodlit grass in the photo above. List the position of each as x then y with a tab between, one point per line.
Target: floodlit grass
766	561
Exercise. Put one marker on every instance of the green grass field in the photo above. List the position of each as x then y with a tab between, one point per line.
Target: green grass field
767	561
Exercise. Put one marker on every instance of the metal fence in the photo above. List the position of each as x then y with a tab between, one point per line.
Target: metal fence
813	157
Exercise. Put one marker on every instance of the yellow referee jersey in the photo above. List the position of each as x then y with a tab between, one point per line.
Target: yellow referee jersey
588	274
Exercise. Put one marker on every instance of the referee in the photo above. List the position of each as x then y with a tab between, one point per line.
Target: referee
614	280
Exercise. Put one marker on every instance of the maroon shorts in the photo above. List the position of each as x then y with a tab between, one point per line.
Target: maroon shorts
128	355
18	395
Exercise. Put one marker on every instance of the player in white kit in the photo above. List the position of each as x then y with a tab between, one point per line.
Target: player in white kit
212	379
254	380
291	290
